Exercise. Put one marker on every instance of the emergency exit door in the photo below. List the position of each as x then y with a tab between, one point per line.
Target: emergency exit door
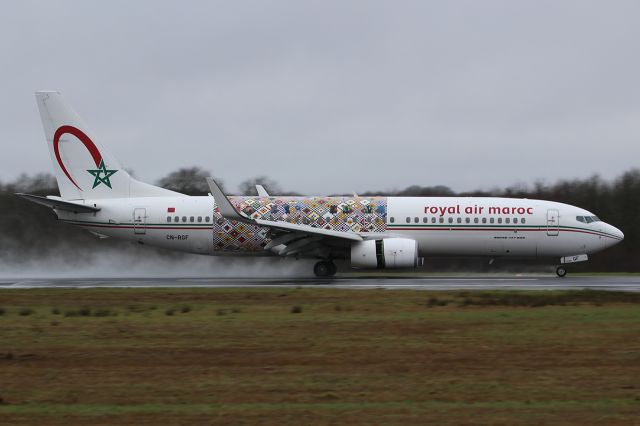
553	222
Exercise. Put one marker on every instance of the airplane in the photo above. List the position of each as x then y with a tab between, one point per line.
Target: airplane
99	195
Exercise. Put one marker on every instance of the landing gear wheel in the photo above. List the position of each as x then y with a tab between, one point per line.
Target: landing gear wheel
324	269
561	271
334	268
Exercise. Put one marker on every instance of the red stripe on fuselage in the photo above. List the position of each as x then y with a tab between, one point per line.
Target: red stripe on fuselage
174	228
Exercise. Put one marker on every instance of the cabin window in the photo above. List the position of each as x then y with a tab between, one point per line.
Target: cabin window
206	219
515	220
467	220
491	220
425	220
392	219
499	220
450	220
184	218
192	219
523	220
442	220
416	219
484	220
475	220
408	219
507	220
168	218
176	219
433	220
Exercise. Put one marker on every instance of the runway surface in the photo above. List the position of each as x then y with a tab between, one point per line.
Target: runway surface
430	282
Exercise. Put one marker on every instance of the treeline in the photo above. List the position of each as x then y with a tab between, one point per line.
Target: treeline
29	232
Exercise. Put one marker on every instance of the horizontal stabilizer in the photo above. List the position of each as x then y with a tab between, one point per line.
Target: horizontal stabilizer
58	204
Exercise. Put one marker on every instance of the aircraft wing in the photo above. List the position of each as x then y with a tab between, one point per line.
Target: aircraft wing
293	227
56	203
288	238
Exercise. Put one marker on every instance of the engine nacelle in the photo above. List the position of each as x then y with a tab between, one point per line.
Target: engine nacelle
385	253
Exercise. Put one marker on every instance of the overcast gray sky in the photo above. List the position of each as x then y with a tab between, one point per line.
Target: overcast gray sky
330	96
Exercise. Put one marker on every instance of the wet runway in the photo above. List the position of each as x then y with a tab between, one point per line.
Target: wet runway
430	282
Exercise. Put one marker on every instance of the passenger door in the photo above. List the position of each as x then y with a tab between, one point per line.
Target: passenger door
553	222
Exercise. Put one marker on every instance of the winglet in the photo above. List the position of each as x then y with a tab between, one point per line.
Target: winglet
227	210
261	191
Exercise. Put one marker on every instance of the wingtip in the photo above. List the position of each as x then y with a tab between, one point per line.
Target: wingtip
227	210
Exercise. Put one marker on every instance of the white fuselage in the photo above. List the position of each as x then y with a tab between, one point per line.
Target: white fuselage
98	194
442	226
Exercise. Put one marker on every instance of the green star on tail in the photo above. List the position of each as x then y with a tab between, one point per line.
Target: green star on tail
102	169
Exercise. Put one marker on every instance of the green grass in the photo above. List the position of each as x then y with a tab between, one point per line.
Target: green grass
347	357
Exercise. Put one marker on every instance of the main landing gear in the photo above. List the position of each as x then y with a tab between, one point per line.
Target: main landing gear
325	269
561	271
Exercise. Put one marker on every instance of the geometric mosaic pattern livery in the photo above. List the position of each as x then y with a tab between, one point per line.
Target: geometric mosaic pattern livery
362	214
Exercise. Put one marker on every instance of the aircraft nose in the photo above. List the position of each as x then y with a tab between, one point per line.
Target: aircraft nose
617	234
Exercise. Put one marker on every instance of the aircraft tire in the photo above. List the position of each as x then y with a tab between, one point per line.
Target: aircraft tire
334	268
324	269
561	271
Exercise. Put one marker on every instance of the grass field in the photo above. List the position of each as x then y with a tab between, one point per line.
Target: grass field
318	356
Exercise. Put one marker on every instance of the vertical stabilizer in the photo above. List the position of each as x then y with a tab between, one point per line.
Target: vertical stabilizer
84	168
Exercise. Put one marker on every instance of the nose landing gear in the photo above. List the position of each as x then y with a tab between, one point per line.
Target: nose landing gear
561	271
325	269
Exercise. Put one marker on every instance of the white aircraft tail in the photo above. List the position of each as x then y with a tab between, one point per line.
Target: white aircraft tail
83	167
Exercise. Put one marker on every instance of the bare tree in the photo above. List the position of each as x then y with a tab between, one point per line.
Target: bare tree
188	180
248	187
41	184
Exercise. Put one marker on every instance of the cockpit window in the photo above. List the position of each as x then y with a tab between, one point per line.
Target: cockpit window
587	219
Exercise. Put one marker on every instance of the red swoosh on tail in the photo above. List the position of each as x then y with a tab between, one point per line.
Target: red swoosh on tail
86	141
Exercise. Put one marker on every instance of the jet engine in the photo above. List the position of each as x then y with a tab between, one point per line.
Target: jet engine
386	253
